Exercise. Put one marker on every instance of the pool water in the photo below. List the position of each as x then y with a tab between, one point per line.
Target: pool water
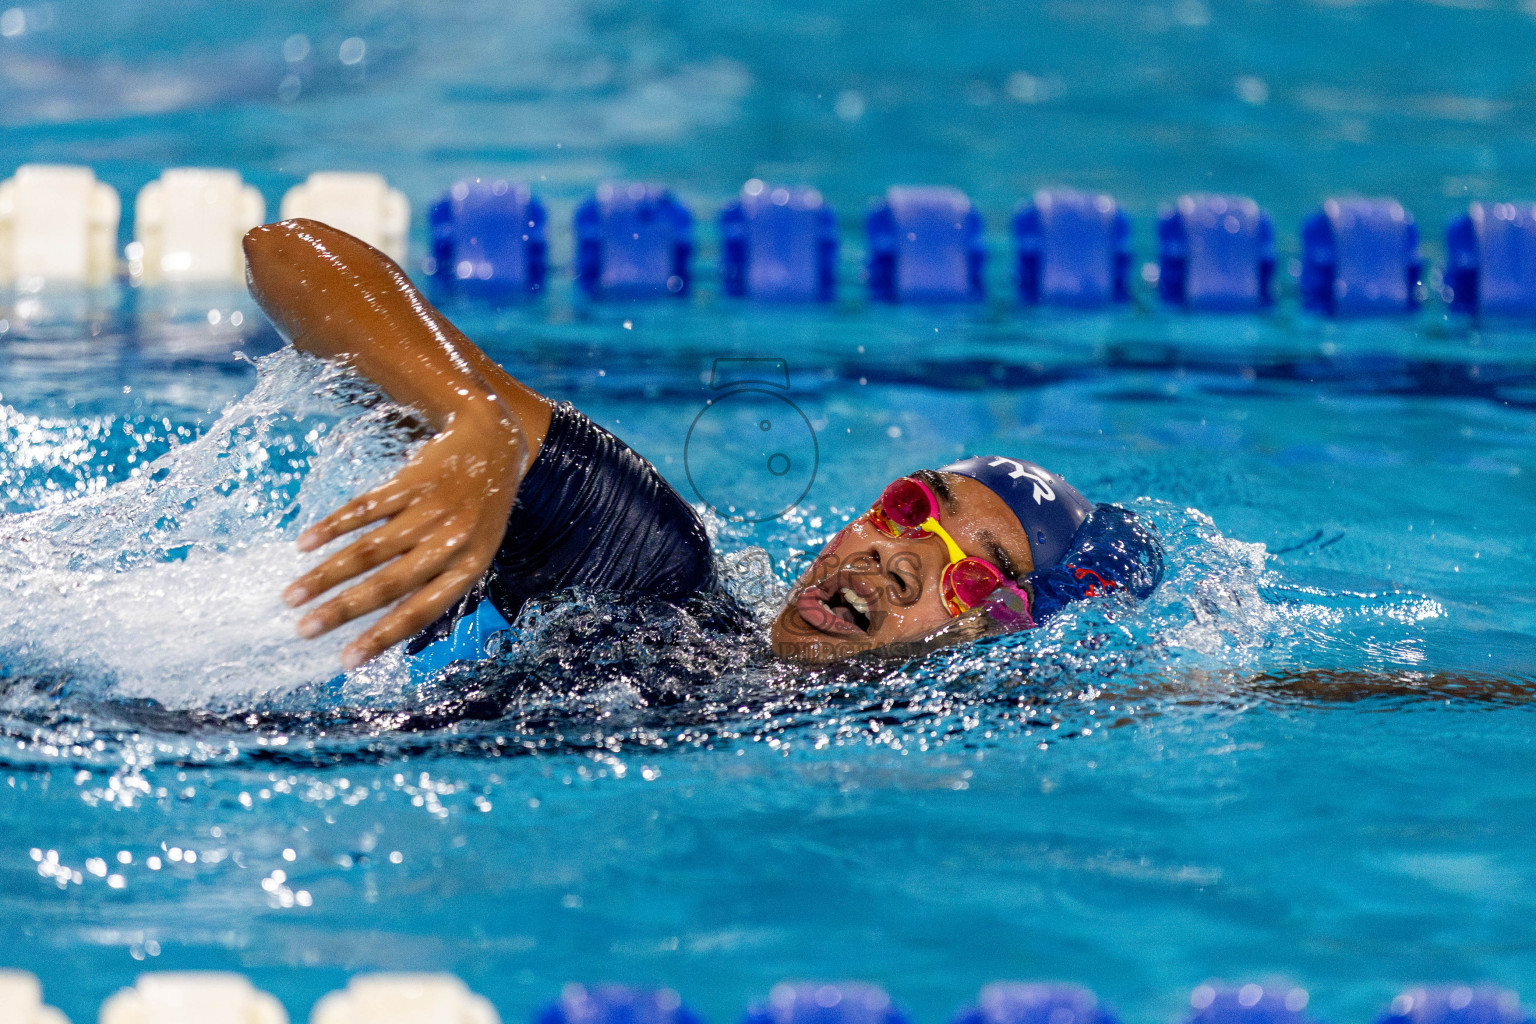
1307	756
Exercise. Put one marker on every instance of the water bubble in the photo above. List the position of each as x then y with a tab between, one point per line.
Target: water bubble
1251	89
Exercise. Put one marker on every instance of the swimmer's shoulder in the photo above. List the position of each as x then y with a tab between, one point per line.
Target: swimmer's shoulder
593	513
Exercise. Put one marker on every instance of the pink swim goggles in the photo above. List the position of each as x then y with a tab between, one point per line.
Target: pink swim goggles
909	509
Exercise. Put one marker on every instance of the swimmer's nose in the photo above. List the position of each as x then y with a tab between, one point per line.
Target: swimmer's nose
868	564
901	561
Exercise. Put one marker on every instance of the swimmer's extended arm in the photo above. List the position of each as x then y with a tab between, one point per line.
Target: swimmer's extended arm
446	510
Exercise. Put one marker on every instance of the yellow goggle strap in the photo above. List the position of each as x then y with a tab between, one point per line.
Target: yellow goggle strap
955	554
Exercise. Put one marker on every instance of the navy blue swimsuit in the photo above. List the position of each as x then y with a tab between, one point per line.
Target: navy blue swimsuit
590	513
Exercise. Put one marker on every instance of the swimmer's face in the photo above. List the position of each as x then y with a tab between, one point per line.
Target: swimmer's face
867	589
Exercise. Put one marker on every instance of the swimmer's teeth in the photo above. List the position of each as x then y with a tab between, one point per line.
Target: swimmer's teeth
855	602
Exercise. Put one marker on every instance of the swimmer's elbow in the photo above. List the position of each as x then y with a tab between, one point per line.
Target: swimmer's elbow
273	255
274	250
258	240
303	273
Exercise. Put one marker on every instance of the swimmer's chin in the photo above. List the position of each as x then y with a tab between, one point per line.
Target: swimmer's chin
794	639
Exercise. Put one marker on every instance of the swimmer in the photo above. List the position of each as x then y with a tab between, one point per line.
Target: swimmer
515	496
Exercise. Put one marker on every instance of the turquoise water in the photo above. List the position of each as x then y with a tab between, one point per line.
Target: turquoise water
1307	756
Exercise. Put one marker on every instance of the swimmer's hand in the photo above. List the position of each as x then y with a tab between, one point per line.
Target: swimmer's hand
444	514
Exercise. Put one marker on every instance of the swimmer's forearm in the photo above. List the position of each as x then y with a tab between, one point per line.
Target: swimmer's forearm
335	297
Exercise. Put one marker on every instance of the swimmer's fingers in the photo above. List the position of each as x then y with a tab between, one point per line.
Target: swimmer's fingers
439	556
379	503
414	614
383	588
370	551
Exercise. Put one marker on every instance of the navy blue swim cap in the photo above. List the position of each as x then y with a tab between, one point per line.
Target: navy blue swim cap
1049	508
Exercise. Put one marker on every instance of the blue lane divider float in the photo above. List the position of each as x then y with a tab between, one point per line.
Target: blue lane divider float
925	245
1216	253
1457	1004
617	1004
1073	249
1490	265
810	1003
1248	1004
488	238
778	243
1012	1002
633	240
1360	257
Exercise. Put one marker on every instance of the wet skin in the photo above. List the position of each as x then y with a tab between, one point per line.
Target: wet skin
867	590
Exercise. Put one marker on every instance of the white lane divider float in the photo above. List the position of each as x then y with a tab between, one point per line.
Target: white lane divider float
403	999
359	203
58	226
21	1001
192	997
187	227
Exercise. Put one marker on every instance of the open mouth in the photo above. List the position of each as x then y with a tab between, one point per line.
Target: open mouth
832	608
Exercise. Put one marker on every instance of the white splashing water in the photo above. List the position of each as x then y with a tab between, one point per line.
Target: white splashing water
167	585
1223	605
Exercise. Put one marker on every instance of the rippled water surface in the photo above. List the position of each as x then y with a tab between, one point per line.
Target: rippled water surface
1307	755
